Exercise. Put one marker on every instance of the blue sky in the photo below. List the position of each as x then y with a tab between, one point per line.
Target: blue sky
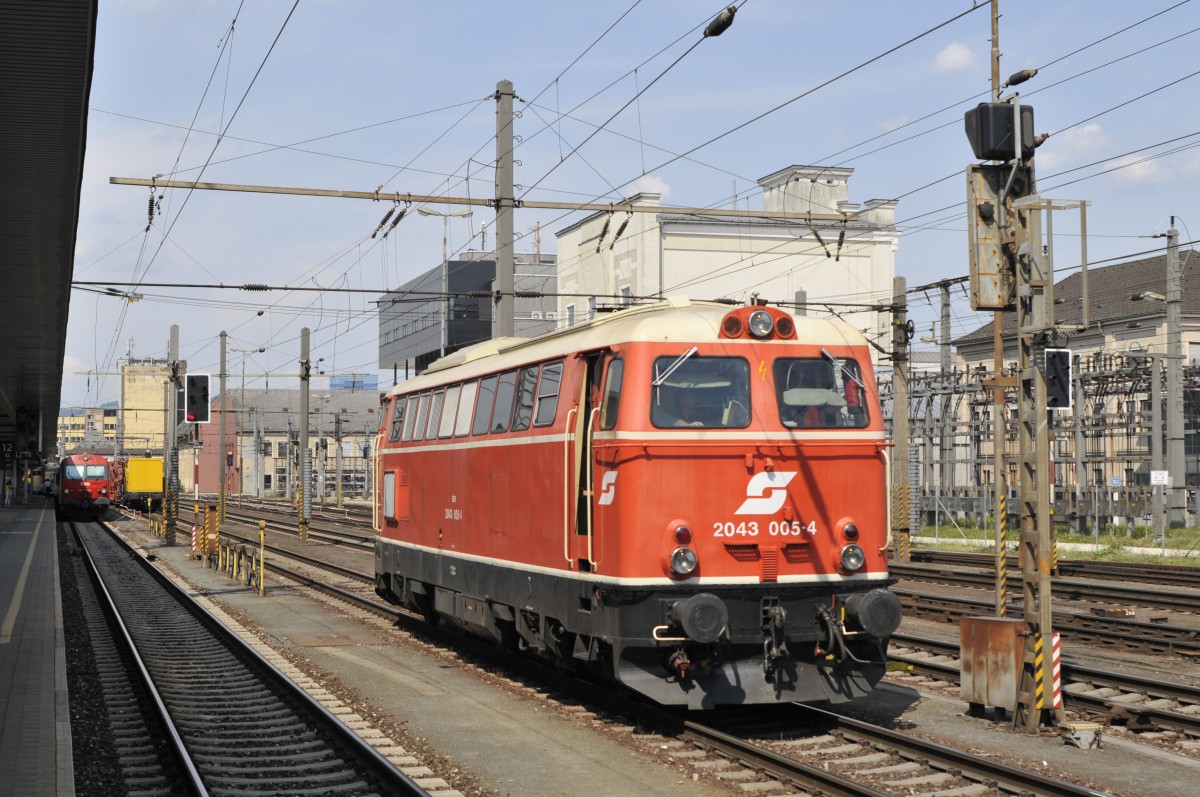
353	94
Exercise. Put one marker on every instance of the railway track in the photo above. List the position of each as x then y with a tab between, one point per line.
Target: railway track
1158	574
1152	703
235	725
1180	598
1107	631
857	758
854	758
275	522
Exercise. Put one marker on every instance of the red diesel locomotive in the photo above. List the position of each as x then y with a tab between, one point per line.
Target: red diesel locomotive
686	497
85	487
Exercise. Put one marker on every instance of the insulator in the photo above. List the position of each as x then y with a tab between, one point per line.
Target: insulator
603	232
150	208
396	220
721	22
387	216
841	239
620	230
817	235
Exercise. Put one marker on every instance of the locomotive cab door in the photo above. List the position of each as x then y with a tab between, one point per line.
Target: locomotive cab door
592	413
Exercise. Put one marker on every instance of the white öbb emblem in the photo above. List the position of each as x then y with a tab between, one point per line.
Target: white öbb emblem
766	493
608	488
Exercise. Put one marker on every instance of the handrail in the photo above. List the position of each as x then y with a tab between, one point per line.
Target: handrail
568	481
591	479
377	477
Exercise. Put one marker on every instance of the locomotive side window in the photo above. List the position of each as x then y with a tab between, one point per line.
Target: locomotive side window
422	417
466	401
448	413
389	495
612	394
819	392
547	396
502	414
483	407
397	420
410	416
705	392
523	414
435	414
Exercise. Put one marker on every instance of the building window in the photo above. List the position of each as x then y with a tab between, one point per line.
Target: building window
570	315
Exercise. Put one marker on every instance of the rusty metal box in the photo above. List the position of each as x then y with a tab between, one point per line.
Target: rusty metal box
990	652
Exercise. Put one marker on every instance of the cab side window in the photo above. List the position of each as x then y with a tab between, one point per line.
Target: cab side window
611	401
547	394
397	419
526	384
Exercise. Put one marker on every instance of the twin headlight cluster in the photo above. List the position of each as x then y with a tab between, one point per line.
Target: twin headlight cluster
759	323
683	559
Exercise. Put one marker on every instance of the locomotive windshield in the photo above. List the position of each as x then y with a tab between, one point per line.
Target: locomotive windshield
705	392
73	471
819	392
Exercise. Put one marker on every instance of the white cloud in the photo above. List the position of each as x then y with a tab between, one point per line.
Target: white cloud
650	184
893	123
1073	147
956	57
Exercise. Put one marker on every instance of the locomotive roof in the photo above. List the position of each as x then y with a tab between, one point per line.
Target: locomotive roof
676	319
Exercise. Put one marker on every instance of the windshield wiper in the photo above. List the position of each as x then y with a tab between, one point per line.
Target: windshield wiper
841	366
658	380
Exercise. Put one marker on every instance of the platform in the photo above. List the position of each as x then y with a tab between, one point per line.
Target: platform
35	723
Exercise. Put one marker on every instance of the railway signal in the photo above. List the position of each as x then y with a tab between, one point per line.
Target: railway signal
1058	379
196	401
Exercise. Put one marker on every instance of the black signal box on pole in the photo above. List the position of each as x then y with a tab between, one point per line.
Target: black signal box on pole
1058	379
991	127
196	401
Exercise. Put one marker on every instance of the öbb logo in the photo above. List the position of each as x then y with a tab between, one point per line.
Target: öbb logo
766	493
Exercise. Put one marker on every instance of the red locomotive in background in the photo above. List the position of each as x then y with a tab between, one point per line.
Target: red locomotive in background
688	498
86	486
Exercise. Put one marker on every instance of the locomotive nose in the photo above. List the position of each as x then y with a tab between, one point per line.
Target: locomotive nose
877	612
703	617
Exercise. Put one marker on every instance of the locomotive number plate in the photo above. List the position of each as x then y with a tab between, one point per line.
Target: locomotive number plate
752	528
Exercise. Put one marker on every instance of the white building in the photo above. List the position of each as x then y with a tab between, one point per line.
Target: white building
610	259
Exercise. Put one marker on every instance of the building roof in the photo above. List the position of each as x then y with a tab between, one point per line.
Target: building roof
1110	292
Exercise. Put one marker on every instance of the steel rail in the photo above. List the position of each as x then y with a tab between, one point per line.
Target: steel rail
1015	779
383	770
1064	588
1104	630
1158	574
179	751
1073	673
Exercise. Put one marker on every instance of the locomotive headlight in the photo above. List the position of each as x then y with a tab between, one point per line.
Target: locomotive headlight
761	323
104	491
853	558
683	561
683	535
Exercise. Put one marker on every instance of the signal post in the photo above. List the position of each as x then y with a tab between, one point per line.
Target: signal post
1011	245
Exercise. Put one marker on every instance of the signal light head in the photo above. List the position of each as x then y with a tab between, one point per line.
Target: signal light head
732	326
761	323
683	535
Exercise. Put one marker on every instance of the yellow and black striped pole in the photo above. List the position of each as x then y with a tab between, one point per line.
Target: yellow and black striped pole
1002	559
1039	673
